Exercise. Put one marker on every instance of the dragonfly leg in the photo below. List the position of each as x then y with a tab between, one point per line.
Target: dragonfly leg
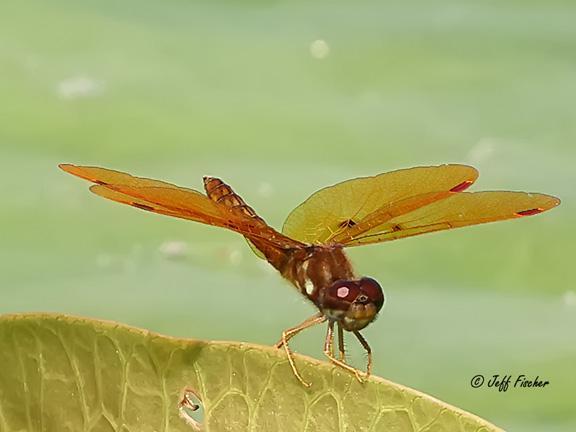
341	347
329	350
290	333
364	343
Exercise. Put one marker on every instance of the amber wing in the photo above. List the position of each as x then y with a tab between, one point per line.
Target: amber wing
457	210
405	203
353	205
171	200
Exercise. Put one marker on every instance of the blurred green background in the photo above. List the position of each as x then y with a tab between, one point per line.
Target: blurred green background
279	99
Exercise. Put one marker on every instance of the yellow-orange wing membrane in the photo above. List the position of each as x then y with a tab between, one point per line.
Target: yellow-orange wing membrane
426	199
457	210
171	200
353	206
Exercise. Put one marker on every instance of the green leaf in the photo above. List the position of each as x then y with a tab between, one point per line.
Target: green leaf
60	373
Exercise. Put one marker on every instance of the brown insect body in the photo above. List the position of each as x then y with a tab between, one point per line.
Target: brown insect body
322	273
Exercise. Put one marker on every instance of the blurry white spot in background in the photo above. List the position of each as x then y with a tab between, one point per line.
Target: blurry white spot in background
569	298
234	256
230	253
319	49
173	249
482	151
265	189
79	87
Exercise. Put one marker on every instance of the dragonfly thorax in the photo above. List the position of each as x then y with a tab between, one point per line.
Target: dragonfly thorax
325	276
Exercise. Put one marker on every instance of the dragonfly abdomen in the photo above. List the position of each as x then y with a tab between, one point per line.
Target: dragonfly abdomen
220	192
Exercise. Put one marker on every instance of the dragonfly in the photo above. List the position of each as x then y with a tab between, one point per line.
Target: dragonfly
309	251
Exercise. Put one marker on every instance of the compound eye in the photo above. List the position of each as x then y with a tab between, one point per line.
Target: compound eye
372	290
344	291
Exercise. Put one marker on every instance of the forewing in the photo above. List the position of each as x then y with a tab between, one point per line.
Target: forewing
349	207
104	176
171	200
458	210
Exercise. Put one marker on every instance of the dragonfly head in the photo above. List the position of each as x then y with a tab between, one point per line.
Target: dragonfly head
353	303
